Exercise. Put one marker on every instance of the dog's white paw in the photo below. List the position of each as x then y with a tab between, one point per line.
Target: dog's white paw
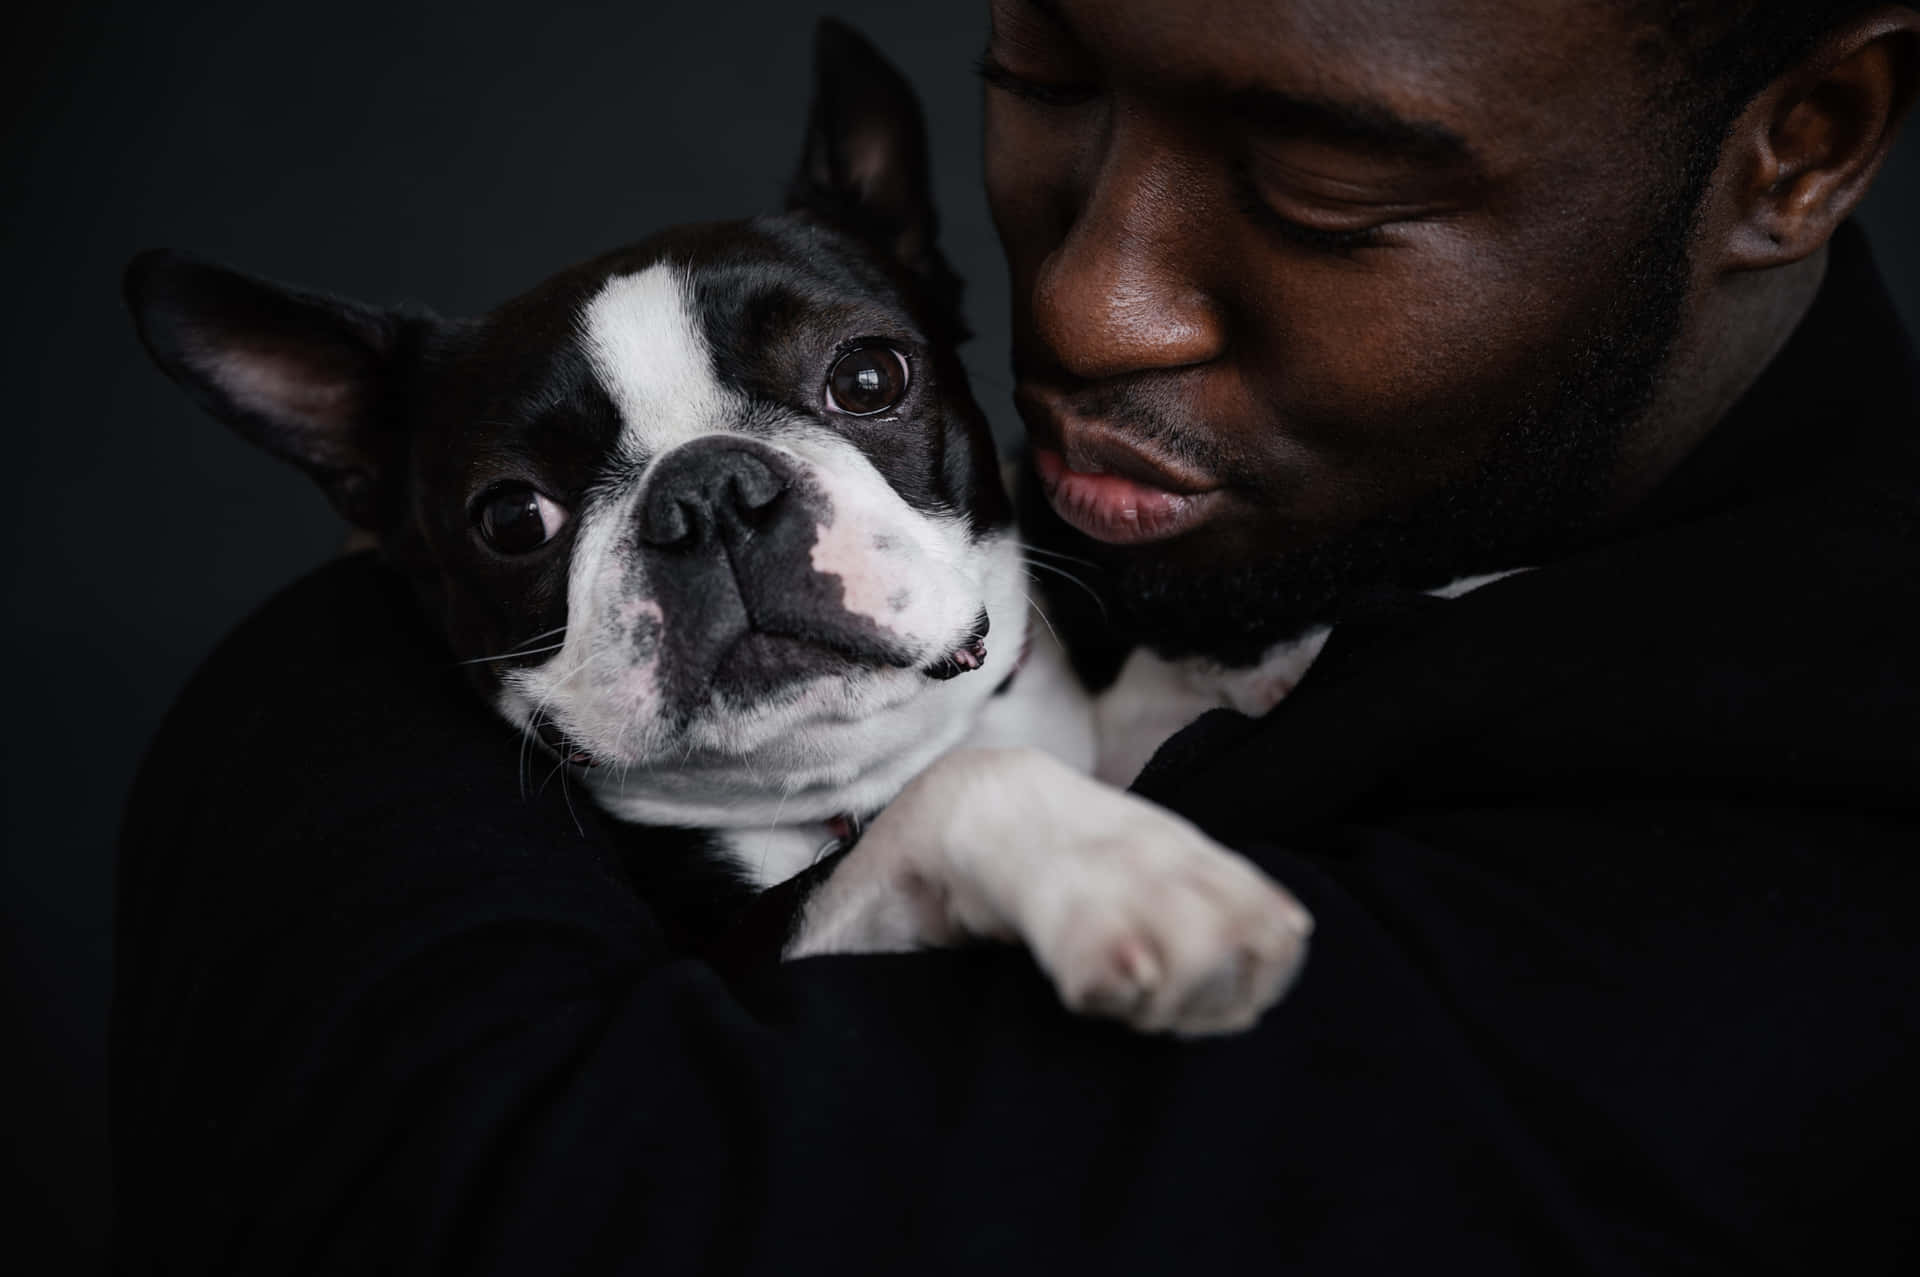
1165	930
1131	911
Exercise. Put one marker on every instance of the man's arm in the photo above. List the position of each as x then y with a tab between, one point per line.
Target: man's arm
377	1010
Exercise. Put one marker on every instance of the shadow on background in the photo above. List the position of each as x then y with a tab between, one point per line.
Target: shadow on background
449	154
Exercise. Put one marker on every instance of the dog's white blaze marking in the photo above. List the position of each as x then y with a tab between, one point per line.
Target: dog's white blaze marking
649	352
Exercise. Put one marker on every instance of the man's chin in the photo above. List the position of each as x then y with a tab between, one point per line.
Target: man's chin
1226	589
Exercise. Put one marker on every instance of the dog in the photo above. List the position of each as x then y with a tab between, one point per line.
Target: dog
716	520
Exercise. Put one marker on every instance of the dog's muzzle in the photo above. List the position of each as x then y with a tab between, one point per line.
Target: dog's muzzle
726	529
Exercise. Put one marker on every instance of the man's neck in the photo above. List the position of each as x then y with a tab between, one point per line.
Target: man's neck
1715	360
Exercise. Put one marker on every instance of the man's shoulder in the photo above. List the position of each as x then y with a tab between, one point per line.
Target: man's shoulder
333	732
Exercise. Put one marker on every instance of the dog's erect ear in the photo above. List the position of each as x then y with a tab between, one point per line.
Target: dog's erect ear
309	378
864	163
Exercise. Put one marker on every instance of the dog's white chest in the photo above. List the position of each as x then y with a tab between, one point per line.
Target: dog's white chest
775	854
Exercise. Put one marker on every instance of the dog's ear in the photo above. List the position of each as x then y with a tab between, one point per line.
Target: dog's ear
309	378
864	161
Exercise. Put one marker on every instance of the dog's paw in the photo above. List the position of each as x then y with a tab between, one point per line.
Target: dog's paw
1168	932
1132	912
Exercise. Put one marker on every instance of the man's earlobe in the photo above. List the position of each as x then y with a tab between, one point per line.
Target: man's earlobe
308	378
864	162
1811	143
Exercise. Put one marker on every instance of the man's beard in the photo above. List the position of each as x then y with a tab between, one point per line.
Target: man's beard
1534	494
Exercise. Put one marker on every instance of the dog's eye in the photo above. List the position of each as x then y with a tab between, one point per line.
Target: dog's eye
514	518
865	381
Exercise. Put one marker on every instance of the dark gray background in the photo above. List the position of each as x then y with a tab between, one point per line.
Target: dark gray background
448	154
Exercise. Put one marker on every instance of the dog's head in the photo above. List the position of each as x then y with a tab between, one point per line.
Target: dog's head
715	515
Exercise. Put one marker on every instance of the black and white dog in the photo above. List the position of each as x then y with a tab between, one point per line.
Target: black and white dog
715	518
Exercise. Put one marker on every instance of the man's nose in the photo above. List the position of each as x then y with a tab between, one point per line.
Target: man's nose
1120	293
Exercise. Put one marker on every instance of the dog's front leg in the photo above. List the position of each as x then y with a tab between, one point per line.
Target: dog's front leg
1131	911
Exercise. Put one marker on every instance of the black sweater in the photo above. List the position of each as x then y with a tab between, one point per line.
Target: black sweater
1611	864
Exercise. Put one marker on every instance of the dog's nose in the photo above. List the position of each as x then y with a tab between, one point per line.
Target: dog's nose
705	486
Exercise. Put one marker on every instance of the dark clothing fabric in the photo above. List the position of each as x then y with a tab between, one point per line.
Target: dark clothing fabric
1612	974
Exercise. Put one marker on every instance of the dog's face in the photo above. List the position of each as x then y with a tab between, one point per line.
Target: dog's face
714	516
743	510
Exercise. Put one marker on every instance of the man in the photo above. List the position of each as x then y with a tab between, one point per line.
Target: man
1317	306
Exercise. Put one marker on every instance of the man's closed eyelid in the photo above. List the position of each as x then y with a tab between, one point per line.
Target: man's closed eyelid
1032	88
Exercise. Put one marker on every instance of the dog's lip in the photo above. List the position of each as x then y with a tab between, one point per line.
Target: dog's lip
970	654
570	750
853	653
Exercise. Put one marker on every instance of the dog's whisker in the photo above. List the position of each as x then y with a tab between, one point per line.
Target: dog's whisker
567	794
786	791
529	731
521	771
509	656
1027	548
1062	572
1045	619
521	648
1059	571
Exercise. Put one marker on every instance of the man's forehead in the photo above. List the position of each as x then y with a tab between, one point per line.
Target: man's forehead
1476	69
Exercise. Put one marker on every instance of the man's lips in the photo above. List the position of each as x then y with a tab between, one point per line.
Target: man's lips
1114	492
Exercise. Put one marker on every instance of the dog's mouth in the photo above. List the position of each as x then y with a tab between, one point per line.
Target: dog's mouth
970	655
762	662
568	749
759	663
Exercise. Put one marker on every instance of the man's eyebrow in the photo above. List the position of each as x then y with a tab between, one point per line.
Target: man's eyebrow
1366	125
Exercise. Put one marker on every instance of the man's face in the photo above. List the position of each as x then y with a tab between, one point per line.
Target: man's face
1312	296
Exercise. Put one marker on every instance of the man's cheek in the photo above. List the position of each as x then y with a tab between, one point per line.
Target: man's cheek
1415	337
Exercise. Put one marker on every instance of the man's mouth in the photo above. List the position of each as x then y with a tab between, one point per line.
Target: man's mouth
1113	491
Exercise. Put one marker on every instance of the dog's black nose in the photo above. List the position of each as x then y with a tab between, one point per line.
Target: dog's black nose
709	485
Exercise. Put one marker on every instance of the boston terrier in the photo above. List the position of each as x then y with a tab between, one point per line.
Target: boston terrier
715	521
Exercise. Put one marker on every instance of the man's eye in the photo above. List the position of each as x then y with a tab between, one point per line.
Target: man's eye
1041	92
867	380
1320	239
516	518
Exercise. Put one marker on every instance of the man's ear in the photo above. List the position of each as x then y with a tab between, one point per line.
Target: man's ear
309	378
1809	146
864	161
